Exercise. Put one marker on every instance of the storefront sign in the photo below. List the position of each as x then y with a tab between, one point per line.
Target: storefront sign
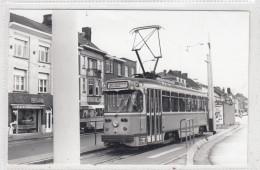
117	85
37	100
219	115
25	106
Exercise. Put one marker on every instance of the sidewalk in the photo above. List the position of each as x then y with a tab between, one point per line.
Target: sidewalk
29	136
227	147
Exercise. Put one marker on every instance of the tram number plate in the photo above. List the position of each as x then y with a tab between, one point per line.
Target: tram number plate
117	85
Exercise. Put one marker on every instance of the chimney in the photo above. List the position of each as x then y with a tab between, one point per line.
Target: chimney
223	89
47	19
185	74
228	90
164	72
87	31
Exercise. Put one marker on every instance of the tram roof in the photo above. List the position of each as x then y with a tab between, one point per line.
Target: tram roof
157	81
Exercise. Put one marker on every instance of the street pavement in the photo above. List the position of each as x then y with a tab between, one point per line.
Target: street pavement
227	149
24	151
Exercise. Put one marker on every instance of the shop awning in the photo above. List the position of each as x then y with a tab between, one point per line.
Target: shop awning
96	106
27	106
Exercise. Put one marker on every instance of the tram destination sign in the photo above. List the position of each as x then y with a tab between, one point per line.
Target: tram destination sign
117	85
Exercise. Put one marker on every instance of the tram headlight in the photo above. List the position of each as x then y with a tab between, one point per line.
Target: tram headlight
115	124
136	84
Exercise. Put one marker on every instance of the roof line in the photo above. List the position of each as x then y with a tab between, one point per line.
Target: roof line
92	48
15	23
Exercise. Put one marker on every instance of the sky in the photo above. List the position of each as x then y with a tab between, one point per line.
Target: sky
227	32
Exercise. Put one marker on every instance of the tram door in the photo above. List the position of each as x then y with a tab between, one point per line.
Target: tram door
154	115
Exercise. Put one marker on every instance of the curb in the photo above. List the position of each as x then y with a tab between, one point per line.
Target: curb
13	139
198	145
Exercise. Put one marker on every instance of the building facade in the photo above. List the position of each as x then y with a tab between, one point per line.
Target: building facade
129	67
29	76
91	76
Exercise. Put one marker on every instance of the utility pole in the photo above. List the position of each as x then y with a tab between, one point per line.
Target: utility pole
211	106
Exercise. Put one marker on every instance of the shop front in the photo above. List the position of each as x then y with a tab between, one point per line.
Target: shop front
26	118
30	113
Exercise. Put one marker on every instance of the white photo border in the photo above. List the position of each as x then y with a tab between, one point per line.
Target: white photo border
250	6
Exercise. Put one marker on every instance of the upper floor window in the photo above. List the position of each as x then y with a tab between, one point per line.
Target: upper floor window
132	71
42	83
91	87
43	54
97	87
126	71
83	59
109	66
83	85
119	69
19	80
21	48
92	63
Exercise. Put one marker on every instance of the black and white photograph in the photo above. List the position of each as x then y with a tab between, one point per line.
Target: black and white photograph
122	88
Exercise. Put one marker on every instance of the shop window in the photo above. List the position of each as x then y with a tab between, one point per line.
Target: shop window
43	54
42	83
21	48
91	87
19	80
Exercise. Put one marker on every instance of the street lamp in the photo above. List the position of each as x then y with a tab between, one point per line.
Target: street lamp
145	62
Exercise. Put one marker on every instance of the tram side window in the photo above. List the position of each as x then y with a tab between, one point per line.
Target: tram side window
198	103
174	102
166	101
194	103
151	98
147	101
188	103
182	102
203	105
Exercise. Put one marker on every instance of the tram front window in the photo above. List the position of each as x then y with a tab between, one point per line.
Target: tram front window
123	101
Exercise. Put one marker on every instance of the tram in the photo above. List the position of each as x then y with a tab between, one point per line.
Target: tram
143	111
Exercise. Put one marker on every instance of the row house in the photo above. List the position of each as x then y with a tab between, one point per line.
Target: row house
118	67
91	76
29	76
